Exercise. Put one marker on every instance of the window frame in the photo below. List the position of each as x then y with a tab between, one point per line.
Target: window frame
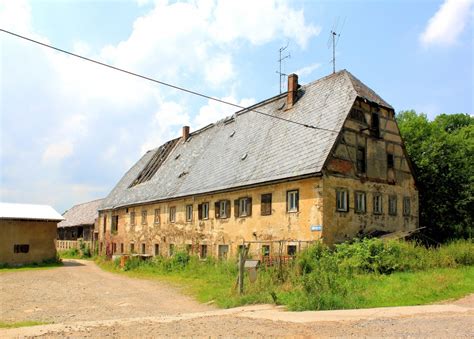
189	213
21	248
390	160
361	160
132	218
266	206
144	217
392	202
205	211
377	196
357	199
289	194
406	206
172	214
114	226
345	200
157	218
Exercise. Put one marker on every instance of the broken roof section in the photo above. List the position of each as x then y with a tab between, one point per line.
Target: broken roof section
28	212
249	148
81	214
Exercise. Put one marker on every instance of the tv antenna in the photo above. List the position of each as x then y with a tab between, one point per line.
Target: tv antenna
333	40
280	60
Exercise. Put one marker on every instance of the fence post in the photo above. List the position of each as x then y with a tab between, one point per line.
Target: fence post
241	271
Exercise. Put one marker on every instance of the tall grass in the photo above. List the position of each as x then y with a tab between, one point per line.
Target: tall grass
365	273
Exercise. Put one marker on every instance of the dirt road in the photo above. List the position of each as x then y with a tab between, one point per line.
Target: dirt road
82	300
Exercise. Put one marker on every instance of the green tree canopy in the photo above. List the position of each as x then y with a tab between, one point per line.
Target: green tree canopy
442	154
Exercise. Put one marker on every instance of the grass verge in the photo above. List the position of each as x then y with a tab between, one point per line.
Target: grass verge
35	266
17	324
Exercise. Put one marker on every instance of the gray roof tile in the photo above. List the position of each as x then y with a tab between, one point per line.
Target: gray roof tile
212	158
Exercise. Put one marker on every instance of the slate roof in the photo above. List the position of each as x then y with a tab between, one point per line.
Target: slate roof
82	214
28	212
249	148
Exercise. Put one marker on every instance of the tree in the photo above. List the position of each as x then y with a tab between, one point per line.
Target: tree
442	154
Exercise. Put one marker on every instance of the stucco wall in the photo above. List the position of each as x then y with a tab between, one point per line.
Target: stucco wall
39	235
280	225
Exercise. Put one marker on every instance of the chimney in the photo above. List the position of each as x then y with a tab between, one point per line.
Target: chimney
185	133
292	90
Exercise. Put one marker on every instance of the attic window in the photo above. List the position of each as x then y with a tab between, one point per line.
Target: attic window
155	163
357	114
375	125
244	157
232	134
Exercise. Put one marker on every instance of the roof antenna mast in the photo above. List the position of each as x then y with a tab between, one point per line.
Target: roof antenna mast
335	39
280	60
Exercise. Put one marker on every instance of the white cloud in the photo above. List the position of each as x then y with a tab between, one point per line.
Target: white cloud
448	23
219	70
307	70
58	151
215	111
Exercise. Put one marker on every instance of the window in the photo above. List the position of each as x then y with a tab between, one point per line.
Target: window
203	252
406	206
292	201
360	202
121	247
132	248
143	248
377	203
390	160
266	250
189	248
243	207
357	114
342	204
144	215
132	218
114	247
173	214
222	209
171	250
105	223
189	212
157	249
360	157
203	211
115	223
157	216
21	248
375	125
291	250
266	204
392	205
223	251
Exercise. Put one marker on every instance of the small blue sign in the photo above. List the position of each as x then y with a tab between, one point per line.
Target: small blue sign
315	228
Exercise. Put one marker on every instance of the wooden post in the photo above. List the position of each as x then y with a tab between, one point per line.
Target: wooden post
241	271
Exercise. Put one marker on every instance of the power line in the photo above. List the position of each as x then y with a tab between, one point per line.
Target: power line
163	83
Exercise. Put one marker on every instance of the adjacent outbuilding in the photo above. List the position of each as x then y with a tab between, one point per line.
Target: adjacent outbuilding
28	233
79	222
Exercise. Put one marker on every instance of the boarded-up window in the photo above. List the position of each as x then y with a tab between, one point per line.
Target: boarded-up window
266	204
361	162
292	201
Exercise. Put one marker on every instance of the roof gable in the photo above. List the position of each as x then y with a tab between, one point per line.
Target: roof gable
249	148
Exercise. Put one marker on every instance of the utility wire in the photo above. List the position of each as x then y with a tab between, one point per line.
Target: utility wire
164	83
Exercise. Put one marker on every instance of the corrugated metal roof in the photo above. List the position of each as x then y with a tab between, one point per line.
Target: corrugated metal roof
29	212
250	148
81	214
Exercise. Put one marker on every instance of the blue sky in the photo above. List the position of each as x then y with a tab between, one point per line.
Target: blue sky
69	129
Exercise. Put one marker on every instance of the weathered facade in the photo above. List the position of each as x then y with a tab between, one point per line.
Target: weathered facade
28	233
341	171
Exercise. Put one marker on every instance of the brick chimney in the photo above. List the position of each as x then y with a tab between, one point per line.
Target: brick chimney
185	133
292	90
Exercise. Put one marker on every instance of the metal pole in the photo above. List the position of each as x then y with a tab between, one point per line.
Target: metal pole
333	52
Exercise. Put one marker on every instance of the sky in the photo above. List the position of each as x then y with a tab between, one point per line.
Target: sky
70	129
